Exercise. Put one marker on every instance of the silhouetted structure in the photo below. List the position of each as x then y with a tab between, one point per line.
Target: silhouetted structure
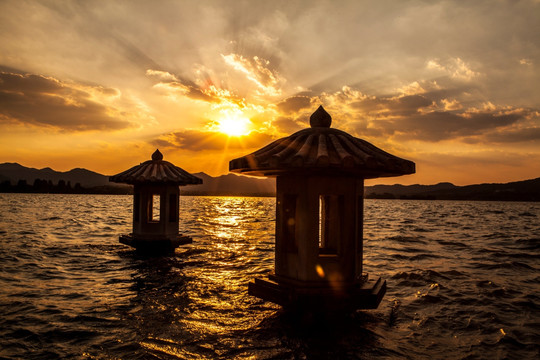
155	204
320	176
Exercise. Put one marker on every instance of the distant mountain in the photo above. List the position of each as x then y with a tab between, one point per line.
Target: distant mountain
231	184
237	185
408	190
15	172
527	190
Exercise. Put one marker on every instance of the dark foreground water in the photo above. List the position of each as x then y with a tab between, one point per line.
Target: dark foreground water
463	283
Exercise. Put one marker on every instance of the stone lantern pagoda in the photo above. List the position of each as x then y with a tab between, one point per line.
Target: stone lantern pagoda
155	204
320	175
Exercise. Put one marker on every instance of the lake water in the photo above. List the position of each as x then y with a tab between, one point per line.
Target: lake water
463	283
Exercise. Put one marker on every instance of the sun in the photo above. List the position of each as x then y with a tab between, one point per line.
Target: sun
233	124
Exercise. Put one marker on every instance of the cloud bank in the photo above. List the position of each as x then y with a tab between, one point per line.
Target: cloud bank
45	101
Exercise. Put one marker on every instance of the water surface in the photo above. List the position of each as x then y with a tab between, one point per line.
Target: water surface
463	283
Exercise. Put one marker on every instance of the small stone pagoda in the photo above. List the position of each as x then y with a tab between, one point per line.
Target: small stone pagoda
155	204
320	175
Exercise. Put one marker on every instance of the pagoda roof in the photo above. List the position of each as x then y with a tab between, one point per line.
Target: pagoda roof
156	171
323	150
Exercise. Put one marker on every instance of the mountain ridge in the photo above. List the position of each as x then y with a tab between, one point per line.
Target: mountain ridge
238	185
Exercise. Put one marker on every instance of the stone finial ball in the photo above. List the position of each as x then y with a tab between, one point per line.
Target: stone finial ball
320	118
157	155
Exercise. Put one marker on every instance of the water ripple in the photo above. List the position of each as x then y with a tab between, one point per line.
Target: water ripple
462	281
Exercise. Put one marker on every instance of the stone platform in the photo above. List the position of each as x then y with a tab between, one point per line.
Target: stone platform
365	295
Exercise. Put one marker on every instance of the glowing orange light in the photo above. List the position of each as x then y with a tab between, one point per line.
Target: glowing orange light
233	123
320	270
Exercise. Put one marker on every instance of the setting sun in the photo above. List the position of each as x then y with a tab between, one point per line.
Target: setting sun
233	123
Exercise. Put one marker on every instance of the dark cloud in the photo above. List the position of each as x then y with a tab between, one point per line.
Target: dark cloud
442	125
449	90
294	104
436	115
394	106
440	114
515	135
408	105
44	101
28	84
196	140
162	143
287	125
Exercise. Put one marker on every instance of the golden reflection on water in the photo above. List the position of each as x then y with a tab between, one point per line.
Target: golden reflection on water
233	231
226	215
165	346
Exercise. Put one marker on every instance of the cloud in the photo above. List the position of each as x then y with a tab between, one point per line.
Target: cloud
450	121
172	84
443	125
162	75
417	87
45	101
288	125
293	104
451	104
196	140
393	106
434	114
256	70
455	67
528	134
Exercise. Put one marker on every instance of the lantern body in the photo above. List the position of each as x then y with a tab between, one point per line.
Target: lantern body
149	199
319	229
156	198
320	175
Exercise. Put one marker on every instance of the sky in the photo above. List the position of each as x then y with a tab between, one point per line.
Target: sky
452	85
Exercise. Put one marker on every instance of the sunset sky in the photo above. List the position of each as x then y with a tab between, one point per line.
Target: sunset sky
452	85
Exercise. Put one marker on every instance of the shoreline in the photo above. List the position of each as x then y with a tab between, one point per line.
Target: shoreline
267	195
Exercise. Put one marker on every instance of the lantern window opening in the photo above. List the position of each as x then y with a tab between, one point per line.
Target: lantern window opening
154	208
330	222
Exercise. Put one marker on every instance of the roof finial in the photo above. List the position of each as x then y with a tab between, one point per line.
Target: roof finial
320	118
157	155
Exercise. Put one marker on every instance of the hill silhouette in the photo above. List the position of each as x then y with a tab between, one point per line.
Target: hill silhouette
15	172
230	184
237	185
526	190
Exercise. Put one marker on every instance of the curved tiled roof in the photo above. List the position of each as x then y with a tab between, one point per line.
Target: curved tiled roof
156	171
323	150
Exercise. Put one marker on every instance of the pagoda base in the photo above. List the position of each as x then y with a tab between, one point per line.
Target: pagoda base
304	296
153	246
